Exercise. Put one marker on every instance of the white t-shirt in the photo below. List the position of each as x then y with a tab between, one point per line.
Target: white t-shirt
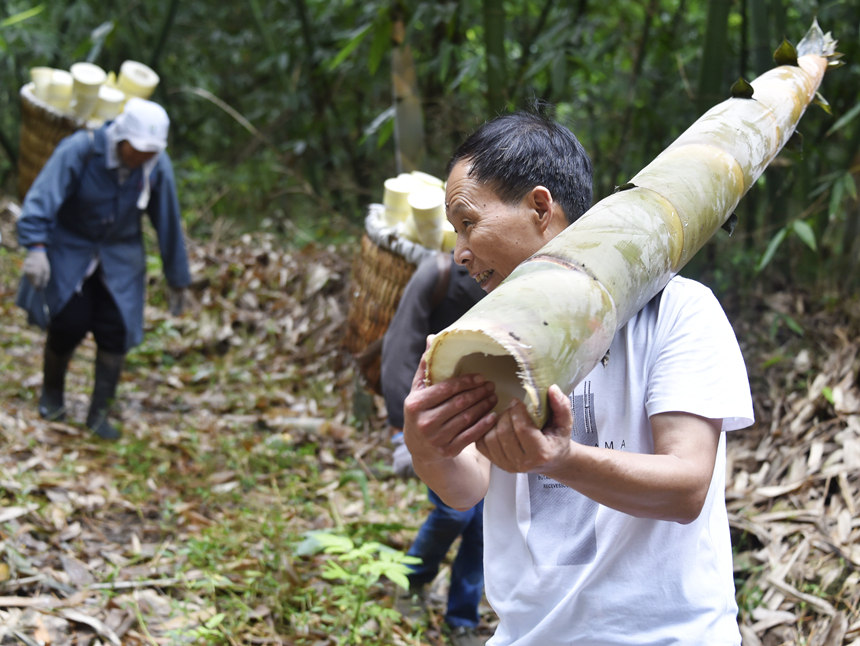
561	569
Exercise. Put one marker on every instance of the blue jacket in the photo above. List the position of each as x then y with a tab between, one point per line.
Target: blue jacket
77	208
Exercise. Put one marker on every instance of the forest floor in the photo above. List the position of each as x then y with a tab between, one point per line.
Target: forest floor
244	432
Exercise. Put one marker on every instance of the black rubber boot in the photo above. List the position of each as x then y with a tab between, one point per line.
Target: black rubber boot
108	370
52	404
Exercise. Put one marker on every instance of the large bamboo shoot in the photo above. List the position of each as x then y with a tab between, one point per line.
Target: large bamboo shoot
553	318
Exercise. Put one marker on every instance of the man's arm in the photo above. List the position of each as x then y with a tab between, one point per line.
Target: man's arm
166	218
670	484
441	423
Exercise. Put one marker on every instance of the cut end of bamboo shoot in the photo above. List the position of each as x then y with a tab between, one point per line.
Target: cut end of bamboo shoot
466	351
494	337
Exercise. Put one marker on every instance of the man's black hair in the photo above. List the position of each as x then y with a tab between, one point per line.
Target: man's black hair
515	152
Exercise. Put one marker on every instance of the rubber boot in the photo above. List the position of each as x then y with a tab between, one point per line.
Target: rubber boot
52	404
108	370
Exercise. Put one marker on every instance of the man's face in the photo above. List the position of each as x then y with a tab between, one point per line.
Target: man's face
131	157
492	237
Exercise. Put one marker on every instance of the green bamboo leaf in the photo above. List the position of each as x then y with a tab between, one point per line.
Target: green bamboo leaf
21	16
355	39
386	132
375	126
844	120
803	231
98	36
380	44
850	184
382	127
836	193
772	246
793	325
822	103
772	361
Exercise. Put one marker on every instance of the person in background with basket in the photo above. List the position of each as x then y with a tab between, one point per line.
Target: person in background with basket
85	269
437	294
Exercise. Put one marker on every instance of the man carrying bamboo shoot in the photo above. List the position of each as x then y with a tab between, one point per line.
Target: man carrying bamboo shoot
608	525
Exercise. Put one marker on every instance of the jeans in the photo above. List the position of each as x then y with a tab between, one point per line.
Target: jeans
434	539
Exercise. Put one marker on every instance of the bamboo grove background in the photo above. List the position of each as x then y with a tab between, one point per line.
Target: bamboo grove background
284	110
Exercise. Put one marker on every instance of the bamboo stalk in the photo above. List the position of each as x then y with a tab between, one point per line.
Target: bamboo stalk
553	318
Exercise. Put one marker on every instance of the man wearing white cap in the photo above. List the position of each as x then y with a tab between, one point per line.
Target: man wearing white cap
85	268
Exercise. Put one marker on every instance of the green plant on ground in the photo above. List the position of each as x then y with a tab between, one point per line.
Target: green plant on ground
355	570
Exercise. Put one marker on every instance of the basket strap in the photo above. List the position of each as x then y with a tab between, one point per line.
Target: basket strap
83	169
90	152
443	263
92	149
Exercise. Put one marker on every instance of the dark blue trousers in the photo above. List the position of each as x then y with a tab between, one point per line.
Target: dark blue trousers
434	539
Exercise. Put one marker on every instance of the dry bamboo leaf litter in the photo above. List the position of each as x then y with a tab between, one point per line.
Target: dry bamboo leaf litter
794	480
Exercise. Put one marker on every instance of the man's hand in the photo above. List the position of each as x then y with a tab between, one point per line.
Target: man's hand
516	445
442	419
36	267
441	423
176	300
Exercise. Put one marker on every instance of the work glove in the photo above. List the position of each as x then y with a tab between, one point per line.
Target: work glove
176	300
401	458
36	267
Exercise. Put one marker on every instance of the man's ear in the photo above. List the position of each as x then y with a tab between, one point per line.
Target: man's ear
544	207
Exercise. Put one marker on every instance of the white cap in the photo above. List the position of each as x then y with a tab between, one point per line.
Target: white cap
143	124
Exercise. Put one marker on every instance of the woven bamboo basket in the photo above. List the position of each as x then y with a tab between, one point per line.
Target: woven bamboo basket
383	265
42	128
